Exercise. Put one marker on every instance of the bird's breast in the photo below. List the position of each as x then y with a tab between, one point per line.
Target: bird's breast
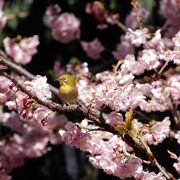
68	93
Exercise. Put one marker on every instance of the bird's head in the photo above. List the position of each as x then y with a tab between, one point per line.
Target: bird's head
67	80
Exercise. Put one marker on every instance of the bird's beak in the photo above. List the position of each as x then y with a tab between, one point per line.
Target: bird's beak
61	82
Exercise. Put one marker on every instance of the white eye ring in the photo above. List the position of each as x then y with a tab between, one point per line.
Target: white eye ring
65	79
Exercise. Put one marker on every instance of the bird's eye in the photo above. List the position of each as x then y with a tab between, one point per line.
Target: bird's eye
65	79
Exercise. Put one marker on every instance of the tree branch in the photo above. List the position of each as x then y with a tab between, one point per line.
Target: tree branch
20	70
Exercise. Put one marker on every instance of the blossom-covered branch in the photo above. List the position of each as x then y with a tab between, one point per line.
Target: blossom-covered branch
20	70
96	117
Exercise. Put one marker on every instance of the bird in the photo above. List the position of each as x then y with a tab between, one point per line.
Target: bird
68	91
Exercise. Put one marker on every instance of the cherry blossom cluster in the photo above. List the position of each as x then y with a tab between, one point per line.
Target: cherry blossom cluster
177	165
21	49
170	10
107	151
93	49
131	19
65	26
31	137
121	90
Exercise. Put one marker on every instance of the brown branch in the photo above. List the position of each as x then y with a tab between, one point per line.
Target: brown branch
20	70
162	169
122	26
96	116
154	161
52	105
174	112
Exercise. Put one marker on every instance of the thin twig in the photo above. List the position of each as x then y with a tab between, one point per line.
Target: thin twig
122	26
136	5
155	162
12	16
163	67
143	115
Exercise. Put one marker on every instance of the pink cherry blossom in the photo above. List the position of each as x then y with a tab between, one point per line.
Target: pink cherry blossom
73	136
41	114
123	48
52	12
118	92
130	65
112	94
93	48
176	51
12	121
149	57
131	19
145	175
114	119
176	39
120	167
158	97
155	40
170	10
21	52
39	86
166	49
65	26
8	163
5	177
85	94
137	37
26	106
156	133
173	87
177	136
147	61
29	140
167	55
177	165
5	89
106	154
22	102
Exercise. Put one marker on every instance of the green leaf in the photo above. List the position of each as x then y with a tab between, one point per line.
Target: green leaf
133	132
